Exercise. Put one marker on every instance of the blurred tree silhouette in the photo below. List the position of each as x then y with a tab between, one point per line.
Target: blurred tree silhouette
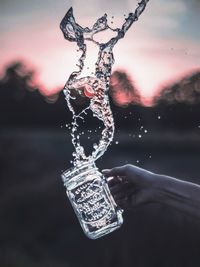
17	78
123	90
186	91
22	104
179	104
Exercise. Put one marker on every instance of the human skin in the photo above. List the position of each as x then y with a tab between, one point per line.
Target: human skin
132	186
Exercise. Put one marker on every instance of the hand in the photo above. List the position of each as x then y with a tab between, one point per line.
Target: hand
131	186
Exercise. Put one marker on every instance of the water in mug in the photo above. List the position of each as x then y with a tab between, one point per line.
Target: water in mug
90	197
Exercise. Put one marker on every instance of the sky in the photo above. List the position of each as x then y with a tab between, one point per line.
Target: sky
161	47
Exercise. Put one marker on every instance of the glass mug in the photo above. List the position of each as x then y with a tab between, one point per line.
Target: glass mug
89	194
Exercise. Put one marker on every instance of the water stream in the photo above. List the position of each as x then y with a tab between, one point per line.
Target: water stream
96	85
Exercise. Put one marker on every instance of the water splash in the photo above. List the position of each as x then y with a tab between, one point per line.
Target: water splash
95	86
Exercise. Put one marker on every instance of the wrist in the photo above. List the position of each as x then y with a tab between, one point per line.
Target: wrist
152	188
161	185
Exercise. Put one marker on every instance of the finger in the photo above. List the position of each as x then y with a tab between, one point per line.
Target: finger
112	181
105	171
116	189
122	203
126	188
119	196
117	171
119	199
128	195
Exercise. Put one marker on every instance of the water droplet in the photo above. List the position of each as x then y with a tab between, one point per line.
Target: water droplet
117	142
159	117
140	136
145	131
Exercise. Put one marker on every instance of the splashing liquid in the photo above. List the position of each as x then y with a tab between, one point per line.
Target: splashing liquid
95	87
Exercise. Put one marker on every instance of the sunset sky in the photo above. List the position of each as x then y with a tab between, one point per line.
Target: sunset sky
162	45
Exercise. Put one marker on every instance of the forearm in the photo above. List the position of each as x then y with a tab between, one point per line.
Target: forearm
181	195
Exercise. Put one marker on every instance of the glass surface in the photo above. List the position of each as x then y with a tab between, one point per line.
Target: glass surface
92	201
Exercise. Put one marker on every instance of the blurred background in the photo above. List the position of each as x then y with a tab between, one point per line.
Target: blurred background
155	98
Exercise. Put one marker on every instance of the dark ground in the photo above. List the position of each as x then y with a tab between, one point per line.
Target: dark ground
38	226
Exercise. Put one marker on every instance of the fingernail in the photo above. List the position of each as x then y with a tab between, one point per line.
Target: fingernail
105	170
